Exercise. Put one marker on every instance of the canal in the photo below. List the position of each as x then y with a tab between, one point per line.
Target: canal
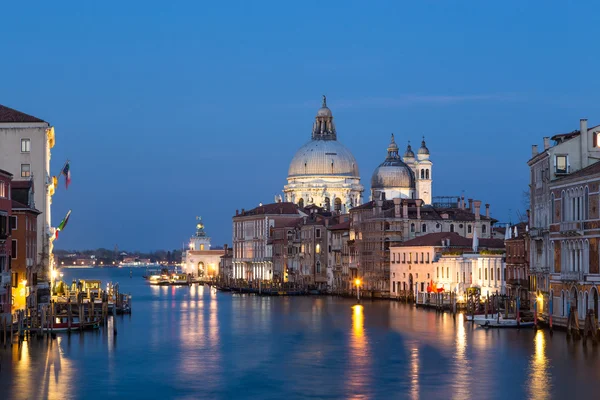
192	342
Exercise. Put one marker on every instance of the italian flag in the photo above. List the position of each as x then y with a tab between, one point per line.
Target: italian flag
63	223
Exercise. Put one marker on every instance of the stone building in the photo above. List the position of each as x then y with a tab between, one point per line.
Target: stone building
252	250
24	238
226	264
324	172
200	260
449	261
6	244
550	225
338	266
25	144
517	262
377	225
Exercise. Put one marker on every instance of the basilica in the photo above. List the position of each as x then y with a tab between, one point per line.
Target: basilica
325	173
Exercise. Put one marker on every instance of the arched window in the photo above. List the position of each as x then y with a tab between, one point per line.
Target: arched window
586	203
327	204
426	174
469	229
552	208
318	267
563	206
484	228
412	227
451	227
301	202
338	204
422	174
424	228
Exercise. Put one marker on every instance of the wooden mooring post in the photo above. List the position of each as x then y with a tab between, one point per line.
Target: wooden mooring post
573	325
590	328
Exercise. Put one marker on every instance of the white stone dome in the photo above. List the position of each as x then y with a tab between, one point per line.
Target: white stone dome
323	157
393	173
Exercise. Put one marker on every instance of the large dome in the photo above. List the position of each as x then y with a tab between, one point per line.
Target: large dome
393	173
323	157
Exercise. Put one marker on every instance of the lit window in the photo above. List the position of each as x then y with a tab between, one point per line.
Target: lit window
318	248
2	189
25	170
561	165
25	145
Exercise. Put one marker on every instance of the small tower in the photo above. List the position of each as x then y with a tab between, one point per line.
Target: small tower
423	173
200	241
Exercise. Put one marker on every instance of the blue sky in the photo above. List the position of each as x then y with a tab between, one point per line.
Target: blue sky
168	110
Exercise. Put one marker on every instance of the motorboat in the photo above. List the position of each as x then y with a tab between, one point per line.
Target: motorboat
61	324
500	322
478	317
159	280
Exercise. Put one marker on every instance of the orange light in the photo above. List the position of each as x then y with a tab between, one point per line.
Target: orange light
357	282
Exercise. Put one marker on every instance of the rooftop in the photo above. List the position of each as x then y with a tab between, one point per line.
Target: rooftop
427	212
8	114
270	209
435	239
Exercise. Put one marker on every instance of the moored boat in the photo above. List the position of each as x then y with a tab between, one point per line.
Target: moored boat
503	323
61	324
180	279
159	280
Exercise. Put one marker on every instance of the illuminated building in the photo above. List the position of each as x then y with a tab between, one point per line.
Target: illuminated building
324	172
5	244
199	259
25	144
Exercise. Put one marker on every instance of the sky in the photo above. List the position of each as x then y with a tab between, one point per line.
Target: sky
172	110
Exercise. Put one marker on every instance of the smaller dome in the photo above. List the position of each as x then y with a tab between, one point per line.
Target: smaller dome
393	173
409	153
423	149
324	112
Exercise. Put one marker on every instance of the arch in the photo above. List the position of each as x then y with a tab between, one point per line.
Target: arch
327	204
424	228
200	269
563	206
318	267
552	200
301	202
573	299
426	174
422	174
586	203
586	303
412	228
337	204
594	299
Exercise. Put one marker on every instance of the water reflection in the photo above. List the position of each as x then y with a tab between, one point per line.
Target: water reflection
358	374
461	365
540	382
414	373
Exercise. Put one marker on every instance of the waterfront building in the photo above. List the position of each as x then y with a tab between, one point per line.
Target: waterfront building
571	152
252	249
339	278
226	264
200	260
324	172
407	178
517	262
5	244
25	151
24	242
379	224
447	260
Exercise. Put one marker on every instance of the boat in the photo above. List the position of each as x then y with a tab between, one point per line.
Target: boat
503	323
179	279
158	280
477	317
61	324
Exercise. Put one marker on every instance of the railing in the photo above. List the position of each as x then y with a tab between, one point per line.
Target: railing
569	226
571	275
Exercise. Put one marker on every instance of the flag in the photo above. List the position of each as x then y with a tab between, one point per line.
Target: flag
66	171
63	223
55	181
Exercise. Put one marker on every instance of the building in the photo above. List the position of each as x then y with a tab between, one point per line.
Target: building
339	278
25	144
447	260
199	259
517	262
379	224
6	244
24	239
252	250
407	178
324	172
553	230
226	264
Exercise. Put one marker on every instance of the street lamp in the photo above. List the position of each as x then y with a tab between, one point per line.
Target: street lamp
357	283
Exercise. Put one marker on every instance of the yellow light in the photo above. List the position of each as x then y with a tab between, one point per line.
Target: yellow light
24	282
357	282
54	273
461	298
540	298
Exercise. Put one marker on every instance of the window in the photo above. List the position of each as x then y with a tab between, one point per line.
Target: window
483	228
492	274
403	257
318	267
469	229
451	227
498	274
3	191
479	273
318	248
14	249
301	203
561	164
25	170
25	145
427	258
412	227
424	228
318	233
586	203
485	274
13	223
447	272
426	174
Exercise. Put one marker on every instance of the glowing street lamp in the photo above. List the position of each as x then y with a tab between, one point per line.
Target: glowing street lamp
357	283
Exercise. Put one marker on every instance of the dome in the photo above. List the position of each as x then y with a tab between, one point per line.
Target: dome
409	153
324	112
323	157
393	172
423	149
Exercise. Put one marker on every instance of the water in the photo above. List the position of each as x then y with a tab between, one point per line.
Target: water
191	342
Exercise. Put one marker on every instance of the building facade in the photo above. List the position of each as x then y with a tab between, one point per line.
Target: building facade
25	144
449	261
5	244
200	260
517	262
324	172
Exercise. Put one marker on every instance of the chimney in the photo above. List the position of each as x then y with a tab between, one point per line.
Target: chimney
379	206
418	202
462	202
487	210
470	205
546	143
534	150
242	211
448	242
237	212
397	201
477	204
225	248
405	209
583	131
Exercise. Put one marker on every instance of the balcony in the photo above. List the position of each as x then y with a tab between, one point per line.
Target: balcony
570	227
518	282
573	276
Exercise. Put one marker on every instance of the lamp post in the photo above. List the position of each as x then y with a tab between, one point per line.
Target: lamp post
357	283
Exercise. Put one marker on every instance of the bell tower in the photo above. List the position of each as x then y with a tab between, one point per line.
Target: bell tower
423	174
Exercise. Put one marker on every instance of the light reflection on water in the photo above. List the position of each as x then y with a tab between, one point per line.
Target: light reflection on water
191	342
